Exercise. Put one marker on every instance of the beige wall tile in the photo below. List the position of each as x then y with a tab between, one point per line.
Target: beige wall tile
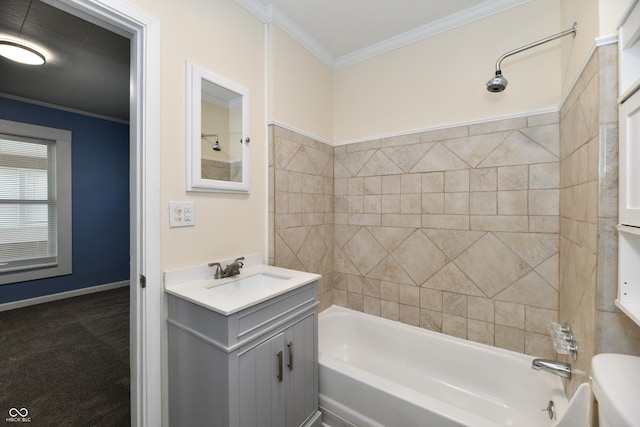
499	223
479	331
455	304
544	176
390	184
433	203
544	202
433	182
509	314
431	319
539	345
480	309
456	203
409	314
509	338
389	291
410	203
538	319
450	222
372	185
512	203
456	181
483	203
390	310
454	325
411	183
409	295
401	220
371	305
431	299
485	179
513	177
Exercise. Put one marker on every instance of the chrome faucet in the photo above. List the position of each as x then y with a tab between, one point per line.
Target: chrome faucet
557	368
233	269
230	270
218	273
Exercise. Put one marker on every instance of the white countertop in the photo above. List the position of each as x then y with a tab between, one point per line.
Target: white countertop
196	284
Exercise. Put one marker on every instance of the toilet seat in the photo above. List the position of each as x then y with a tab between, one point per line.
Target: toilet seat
615	380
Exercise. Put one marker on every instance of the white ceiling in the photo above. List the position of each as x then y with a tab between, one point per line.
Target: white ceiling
88	66
343	32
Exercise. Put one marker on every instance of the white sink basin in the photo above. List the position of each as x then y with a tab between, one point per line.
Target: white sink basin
249	284
255	284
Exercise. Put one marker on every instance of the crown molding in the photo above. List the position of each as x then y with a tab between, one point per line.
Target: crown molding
476	13
268	14
301	36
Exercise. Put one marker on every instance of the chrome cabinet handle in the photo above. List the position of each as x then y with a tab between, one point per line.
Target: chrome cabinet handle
290	346
279	366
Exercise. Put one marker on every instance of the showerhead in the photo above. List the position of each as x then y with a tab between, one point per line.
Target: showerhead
497	83
214	146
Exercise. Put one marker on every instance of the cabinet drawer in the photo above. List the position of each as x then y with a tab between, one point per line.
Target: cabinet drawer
269	314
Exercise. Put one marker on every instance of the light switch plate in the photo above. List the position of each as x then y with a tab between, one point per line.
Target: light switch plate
181	214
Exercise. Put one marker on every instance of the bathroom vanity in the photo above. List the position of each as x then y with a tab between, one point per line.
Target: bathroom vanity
243	350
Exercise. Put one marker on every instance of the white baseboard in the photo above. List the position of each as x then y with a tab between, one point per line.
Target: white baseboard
62	295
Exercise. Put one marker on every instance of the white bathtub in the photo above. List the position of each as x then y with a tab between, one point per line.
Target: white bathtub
376	372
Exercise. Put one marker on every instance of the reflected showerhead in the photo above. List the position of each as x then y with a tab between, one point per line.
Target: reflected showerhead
214	146
497	83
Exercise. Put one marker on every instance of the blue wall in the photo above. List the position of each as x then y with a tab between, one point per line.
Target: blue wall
100	200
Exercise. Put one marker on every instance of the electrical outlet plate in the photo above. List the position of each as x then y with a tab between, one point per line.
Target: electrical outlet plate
181	214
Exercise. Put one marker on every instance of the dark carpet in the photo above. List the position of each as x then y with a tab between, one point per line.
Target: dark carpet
67	362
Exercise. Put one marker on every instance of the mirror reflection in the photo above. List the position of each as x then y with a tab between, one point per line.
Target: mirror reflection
221	133
217	133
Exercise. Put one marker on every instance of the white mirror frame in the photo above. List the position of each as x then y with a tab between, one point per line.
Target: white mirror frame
195	182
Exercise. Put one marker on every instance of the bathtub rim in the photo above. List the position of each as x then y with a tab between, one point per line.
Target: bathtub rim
374	380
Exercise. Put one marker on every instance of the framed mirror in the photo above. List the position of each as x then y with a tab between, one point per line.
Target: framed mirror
217	132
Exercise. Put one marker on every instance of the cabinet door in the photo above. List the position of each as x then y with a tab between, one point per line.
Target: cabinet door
301	399
630	161
261	387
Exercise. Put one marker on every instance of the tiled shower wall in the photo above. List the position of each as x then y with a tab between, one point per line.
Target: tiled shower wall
453	230
301	206
589	214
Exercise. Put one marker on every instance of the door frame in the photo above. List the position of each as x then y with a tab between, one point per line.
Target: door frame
143	30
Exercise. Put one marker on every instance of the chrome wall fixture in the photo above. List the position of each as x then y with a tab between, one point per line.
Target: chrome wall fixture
563	341
499	83
215	146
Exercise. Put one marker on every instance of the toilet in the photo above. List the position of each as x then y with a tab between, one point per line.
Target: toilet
615	380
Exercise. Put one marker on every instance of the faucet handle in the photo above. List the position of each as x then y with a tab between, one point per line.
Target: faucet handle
239	262
218	273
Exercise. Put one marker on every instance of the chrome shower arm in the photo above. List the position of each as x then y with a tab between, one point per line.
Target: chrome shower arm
573	31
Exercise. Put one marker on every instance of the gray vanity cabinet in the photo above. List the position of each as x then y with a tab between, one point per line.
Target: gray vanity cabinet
254	368
280	368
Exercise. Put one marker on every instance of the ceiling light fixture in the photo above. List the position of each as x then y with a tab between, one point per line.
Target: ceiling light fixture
20	53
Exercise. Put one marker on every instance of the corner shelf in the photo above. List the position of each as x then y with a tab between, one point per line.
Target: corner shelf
629	271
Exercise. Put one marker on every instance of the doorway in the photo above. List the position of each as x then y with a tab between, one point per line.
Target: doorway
143	31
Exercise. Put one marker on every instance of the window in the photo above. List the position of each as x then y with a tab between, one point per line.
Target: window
35	202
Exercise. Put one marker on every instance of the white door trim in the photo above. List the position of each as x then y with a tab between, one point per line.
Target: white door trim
146	304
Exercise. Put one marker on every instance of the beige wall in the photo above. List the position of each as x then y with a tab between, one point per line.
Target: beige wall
441	81
200	31
301	88
595	18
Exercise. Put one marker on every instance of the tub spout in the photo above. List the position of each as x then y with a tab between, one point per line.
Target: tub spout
557	368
